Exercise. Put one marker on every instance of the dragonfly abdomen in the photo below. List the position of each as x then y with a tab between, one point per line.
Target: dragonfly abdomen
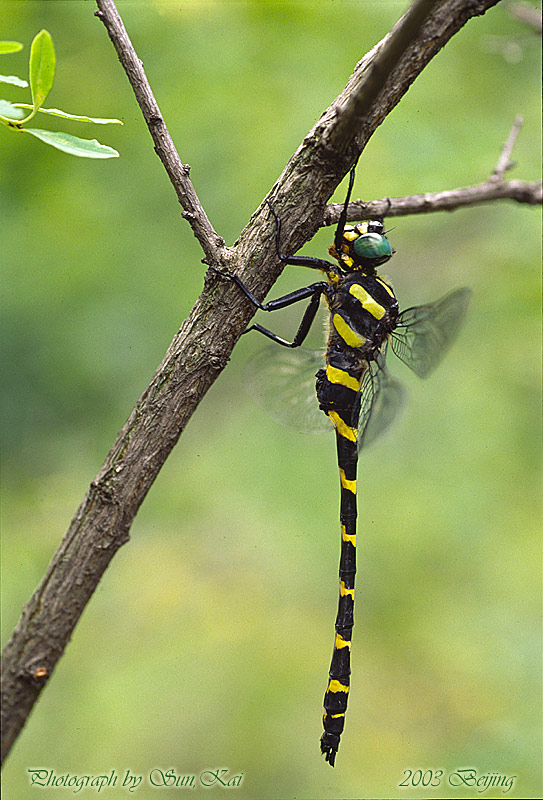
337	390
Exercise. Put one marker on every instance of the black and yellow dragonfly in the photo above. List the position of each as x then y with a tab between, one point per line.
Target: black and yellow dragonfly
354	389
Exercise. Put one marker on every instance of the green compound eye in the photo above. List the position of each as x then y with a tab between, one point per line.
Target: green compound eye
372	245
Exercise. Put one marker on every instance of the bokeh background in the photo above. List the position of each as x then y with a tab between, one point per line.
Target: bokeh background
208	641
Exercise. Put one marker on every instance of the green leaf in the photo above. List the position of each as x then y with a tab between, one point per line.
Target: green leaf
10	112
42	67
14	80
58	113
10	47
84	148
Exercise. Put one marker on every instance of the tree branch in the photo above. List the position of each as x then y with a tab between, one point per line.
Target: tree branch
379	67
212	244
202	347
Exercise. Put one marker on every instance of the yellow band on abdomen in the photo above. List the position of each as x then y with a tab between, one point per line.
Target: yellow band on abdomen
347	484
344	591
336	686
348	537
342	428
341	642
341	377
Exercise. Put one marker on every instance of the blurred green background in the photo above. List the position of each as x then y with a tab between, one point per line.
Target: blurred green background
208	641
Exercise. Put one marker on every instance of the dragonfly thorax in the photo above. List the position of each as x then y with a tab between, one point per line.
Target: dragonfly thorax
363	310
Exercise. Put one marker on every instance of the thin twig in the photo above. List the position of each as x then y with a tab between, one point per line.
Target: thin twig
504	161
212	244
528	14
529	192
495	188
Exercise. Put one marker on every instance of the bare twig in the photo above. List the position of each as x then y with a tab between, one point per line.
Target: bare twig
520	191
495	188
528	14
211	243
504	161
202	347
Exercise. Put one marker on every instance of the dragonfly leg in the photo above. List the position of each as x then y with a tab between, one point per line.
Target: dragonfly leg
313	291
338	236
305	324
297	261
280	302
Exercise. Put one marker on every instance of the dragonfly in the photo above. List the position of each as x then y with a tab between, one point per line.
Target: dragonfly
354	388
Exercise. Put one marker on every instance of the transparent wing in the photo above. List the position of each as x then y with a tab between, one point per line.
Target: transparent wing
283	382
381	397
425	333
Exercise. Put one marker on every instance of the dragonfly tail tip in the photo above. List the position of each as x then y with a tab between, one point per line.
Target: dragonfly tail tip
328	750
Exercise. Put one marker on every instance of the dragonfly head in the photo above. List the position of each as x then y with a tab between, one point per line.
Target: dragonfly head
364	247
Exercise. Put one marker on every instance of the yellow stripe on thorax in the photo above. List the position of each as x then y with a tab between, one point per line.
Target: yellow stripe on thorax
350	485
344	591
342	428
348	537
367	301
385	286
336	686
350	337
336	375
